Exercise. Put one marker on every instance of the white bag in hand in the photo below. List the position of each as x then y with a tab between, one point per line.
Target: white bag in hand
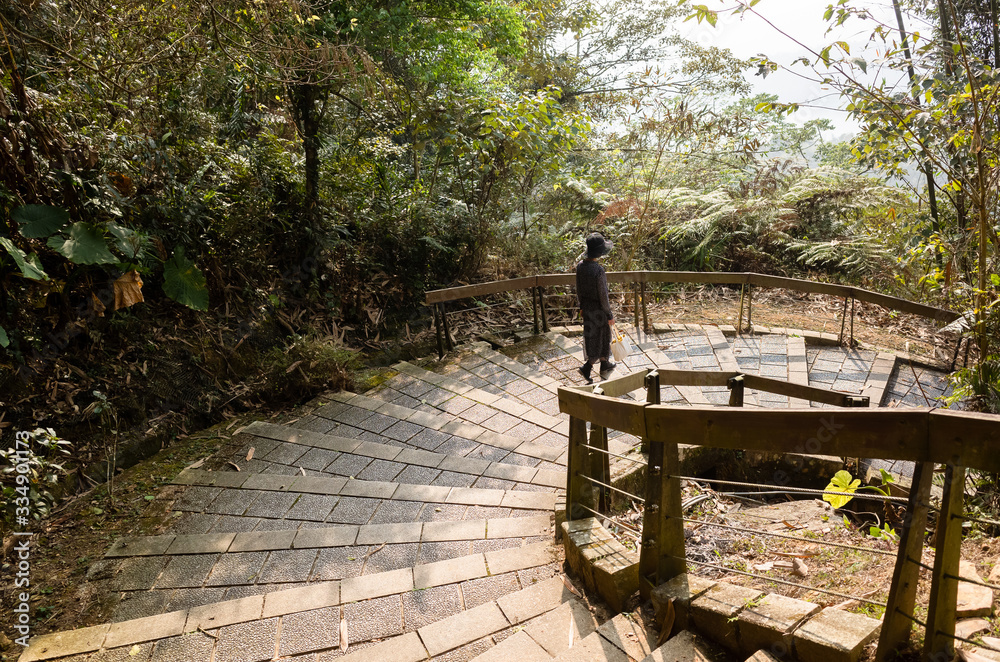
620	346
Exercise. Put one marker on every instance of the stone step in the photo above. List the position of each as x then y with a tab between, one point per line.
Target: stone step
372	489
367	459
365	417
333	536
484	405
686	646
436	607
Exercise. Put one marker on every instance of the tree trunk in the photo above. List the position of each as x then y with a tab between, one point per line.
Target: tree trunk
928	169
307	118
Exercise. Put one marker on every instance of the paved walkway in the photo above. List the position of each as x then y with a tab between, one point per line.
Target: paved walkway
415	521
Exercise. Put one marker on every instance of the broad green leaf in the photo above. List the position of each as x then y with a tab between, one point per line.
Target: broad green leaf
28	264
841	482
37	221
4	340
184	282
85	245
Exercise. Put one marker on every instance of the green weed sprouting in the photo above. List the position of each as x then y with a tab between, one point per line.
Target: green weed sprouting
44	448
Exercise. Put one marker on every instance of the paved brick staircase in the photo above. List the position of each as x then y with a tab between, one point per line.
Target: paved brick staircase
416	521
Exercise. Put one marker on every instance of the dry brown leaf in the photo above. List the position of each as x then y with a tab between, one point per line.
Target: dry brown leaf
302	471
249	452
293	366
128	290
234	465
666	623
96	306
569	585
343	635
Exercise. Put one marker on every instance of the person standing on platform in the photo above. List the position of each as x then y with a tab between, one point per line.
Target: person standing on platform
592	295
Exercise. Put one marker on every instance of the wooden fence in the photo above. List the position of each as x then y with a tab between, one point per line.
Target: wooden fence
639	279
926	436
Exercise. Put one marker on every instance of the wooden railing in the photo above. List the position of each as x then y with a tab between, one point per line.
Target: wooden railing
747	280
926	436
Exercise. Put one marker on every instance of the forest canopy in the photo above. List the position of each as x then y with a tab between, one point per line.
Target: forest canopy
272	170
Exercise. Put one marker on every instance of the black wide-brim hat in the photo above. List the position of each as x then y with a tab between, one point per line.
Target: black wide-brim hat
597	245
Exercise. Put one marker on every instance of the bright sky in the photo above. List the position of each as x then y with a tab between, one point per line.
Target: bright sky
802	20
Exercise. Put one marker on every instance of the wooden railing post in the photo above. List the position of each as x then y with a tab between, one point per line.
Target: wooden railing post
662	555
843	321
736	387
635	304
599	467
652	397
749	307
541	307
898	621
448	340
438	332
645	311
534	308
852	323
940	637
579	492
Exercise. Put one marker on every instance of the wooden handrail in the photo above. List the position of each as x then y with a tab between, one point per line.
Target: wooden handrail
714	277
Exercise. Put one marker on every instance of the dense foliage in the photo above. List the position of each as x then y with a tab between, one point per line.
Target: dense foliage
185	185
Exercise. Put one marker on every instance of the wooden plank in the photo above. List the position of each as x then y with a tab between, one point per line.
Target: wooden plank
695	377
729	278
966	439
649	553
480	289
781	282
897	623
673	558
578	490
599	467
714	277
943	603
619	386
801	391
549	280
604	411
889	434
905	306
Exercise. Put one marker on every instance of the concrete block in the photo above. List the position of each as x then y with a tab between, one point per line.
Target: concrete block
594	648
680	590
450	571
463	628
834	635
601	561
768	624
684	646
716	610
518	647
537	599
630	635
61	644
562	628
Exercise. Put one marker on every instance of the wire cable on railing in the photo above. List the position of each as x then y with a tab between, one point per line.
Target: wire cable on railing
785	536
783	581
796	490
612	487
911	617
489	305
978	582
626	527
620	457
970	641
980	520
